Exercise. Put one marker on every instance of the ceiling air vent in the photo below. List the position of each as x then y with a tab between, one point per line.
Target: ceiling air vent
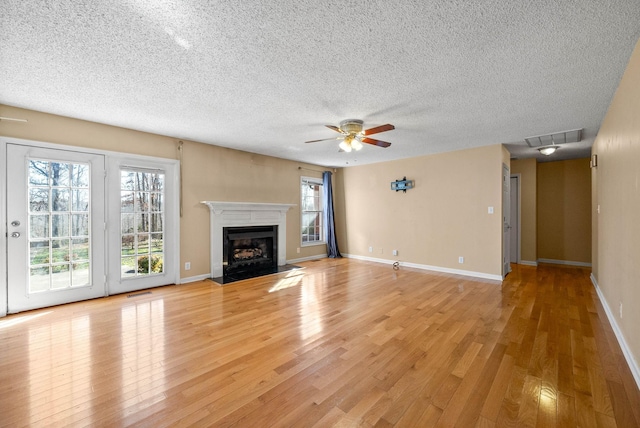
549	143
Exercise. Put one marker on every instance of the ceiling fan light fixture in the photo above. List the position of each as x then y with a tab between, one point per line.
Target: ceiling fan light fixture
354	136
345	146
548	150
351	126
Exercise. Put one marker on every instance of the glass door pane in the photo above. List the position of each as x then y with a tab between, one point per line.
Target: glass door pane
59	225
142	215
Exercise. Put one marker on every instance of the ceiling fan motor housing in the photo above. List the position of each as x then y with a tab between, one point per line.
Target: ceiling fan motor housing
351	126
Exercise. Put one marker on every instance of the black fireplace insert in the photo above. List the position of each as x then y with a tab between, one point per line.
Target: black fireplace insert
249	251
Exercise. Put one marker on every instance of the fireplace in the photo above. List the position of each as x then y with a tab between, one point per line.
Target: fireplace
249	251
231	215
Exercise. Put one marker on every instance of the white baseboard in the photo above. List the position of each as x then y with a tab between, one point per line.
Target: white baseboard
195	278
528	263
628	355
564	262
306	259
428	267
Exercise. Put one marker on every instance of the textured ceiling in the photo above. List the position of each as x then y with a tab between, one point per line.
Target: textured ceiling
265	76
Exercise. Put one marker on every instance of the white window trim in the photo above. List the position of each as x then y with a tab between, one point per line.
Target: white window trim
313	180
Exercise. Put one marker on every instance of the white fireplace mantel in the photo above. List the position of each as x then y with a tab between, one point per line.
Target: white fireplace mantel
236	214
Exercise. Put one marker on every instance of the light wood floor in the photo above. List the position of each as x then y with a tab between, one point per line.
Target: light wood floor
339	343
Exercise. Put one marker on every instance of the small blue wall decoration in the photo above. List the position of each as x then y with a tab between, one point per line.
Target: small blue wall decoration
403	185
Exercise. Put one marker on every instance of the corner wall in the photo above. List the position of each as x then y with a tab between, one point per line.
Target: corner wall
564	212
444	217
616	208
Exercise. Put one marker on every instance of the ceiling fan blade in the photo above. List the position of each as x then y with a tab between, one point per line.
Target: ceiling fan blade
324	139
335	128
378	143
381	128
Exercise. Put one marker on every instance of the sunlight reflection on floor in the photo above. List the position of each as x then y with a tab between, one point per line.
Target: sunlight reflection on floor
292	279
16	319
311	317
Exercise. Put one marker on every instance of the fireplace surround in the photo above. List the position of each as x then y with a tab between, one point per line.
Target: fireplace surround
240	215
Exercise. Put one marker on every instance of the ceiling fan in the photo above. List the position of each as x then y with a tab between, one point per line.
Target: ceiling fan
353	135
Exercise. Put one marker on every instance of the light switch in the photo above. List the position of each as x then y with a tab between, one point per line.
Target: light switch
490	210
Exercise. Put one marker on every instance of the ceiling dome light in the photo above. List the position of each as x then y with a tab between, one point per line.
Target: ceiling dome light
549	150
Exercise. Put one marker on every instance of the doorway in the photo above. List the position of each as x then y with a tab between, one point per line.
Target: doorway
81	225
55	211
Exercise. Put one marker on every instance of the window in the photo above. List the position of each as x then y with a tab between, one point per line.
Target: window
312	211
141	219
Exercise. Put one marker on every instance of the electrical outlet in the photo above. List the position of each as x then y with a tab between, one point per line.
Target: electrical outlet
187	266
460	259
490	210
381	251
298	250
371	249
395	252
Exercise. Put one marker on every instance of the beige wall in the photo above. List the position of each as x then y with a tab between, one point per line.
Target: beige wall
209	173
564	211
527	169
617	177
445	216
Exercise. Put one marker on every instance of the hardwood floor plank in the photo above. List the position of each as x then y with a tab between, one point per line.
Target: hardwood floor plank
339	343
508	414
566	416
528	413
482	388
624	410
585	415
492	404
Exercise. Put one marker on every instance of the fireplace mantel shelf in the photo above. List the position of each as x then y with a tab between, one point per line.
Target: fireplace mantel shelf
219	206
232	214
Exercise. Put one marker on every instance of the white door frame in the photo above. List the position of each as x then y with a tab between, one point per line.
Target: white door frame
4	300
517	215
109	156
506	211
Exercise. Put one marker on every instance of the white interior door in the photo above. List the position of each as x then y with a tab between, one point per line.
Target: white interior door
56	237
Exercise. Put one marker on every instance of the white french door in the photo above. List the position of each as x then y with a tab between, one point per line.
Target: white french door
56	227
143	224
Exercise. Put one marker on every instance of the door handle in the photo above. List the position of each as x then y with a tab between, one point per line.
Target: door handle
15	235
